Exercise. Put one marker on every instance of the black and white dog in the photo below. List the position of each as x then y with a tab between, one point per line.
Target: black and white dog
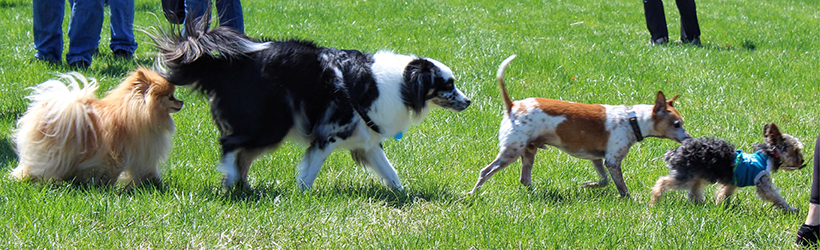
263	92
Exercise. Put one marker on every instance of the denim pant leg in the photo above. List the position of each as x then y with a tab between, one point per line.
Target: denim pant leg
48	29
195	9
655	19
84	29
122	25
230	14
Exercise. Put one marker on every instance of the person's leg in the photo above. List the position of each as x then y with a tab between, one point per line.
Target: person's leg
809	231
230	14
656	21
122	27
48	29
84	29
195	11
689	28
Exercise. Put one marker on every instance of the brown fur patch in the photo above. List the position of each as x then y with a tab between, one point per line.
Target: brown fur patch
583	128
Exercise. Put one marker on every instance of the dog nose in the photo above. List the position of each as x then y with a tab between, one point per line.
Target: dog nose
468	102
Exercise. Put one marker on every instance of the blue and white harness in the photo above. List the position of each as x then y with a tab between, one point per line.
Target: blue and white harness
749	168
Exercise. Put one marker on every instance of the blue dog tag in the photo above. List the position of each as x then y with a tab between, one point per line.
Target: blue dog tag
398	136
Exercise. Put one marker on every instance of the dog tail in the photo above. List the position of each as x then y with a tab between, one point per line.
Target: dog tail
57	127
500	76
178	48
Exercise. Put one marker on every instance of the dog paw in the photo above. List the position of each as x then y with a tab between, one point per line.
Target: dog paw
791	210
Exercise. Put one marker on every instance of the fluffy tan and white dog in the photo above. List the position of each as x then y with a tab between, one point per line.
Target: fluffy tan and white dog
600	133
67	134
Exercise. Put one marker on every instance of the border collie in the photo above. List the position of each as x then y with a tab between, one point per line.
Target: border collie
263	92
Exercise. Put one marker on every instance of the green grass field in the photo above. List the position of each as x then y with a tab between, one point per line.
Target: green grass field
759	63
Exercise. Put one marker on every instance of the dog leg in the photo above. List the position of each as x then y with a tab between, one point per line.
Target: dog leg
244	158
599	167
696	191
725	192
504	158
527	160
662	185
229	169
377	161
767	192
614	167
311	164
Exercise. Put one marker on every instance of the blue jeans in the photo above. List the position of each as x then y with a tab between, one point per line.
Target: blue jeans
122	26
83	29
229	11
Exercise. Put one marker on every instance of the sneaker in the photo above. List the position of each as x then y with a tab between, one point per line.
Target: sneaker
122	54
659	41
80	64
807	236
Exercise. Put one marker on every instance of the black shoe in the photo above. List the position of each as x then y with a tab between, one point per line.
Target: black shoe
659	41
80	64
122	54
807	236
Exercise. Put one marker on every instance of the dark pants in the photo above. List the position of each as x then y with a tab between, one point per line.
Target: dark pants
656	20
814	198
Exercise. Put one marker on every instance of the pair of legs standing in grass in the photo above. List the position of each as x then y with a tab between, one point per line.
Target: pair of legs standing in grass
84	27
656	21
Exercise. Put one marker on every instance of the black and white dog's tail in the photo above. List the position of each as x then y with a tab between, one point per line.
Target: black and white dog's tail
179	48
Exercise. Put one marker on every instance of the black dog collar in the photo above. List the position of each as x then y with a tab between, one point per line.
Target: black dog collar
633	121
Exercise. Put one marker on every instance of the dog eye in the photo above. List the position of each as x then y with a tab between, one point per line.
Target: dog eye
677	124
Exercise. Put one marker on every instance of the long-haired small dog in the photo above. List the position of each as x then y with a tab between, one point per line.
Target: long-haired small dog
67	134
264	92
705	160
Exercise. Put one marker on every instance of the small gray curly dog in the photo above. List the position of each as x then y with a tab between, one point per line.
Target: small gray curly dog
705	160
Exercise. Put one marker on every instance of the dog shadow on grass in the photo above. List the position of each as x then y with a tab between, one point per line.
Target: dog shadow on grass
7	155
371	190
564	196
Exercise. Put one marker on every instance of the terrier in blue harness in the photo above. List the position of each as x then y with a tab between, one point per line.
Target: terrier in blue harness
706	160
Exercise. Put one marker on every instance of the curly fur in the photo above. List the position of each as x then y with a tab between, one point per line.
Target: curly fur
69	134
709	158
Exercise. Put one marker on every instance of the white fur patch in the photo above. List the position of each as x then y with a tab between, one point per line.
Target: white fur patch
228	167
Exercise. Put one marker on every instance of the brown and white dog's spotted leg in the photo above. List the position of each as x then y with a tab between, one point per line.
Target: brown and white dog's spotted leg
614	167
725	192
767	191
527	160
506	156
599	167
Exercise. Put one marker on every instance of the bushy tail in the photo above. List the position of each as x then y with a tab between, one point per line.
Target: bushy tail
177	48
57	128
500	76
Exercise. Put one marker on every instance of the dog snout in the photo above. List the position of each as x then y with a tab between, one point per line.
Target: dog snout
466	104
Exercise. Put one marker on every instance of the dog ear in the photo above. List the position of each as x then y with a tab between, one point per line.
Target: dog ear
660	102
141	81
772	134
418	79
670	102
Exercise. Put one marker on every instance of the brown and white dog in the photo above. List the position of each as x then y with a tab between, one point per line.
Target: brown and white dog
600	133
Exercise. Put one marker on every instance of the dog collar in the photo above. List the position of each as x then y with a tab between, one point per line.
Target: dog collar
633	121
367	121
